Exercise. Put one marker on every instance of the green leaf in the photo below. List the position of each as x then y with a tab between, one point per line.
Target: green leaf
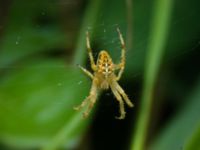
193	142
36	103
177	133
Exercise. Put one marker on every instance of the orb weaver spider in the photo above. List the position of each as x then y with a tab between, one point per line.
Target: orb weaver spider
104	77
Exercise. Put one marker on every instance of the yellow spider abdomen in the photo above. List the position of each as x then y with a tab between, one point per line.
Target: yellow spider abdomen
105	64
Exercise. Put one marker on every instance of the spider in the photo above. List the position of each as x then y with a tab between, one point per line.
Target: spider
104	78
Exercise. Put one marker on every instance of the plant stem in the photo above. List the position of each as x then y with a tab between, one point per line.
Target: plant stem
88	21
64	133
156	46
129	33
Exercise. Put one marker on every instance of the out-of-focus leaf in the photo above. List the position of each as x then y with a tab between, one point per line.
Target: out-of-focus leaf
37	100
31	27
184	30
193	142
177	133
184	34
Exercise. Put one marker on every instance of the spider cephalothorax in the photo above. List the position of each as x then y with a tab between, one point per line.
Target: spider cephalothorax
104	77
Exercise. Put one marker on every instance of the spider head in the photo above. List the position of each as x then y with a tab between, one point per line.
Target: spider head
104	64
103	56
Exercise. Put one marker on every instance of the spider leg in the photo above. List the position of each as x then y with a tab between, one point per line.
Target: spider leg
93	65
92	99
121	103
121	91
86	71
82	104
121	65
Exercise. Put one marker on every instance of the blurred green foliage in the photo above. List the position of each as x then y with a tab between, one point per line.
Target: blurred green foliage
39	85
184	124
37	93
37	100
